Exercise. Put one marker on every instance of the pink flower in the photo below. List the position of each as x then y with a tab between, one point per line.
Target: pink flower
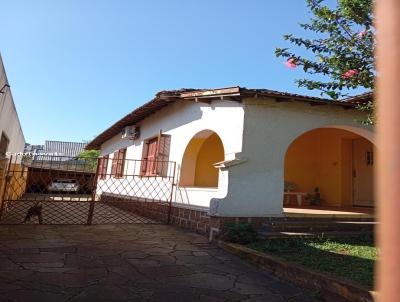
291	63
362	34
350	73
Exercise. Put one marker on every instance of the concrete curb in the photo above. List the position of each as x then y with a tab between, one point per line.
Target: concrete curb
300	275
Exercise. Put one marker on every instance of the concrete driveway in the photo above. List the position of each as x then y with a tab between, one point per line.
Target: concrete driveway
140	262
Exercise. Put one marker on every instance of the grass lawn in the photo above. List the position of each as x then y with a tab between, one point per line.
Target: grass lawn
352	258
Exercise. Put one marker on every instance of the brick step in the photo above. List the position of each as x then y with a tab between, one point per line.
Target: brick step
331	234
318	226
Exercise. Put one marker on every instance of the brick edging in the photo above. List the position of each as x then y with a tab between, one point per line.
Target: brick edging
300	275
194	219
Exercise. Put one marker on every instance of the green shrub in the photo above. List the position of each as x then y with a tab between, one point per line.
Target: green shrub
242	233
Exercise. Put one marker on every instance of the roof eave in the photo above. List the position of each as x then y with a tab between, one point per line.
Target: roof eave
164	98
141	112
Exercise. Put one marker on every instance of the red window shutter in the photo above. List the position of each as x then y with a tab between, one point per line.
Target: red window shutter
100	163
100	168
163	149
120	163
151	156
123	158
143	165
103	165
114	164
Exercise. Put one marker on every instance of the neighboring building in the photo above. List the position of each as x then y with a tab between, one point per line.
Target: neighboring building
55	161
33	148
56	150
11	136
235	148
67	149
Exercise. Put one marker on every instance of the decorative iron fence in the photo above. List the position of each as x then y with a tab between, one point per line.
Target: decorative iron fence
86	191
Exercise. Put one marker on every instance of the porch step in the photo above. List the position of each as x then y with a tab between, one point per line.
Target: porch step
318	218
329	212
318	225
277	235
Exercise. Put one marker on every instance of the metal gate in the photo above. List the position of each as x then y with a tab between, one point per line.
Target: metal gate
42	189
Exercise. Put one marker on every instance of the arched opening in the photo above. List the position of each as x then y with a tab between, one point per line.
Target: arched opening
329	167
203	151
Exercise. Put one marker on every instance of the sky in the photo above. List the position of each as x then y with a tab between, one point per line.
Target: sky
77	66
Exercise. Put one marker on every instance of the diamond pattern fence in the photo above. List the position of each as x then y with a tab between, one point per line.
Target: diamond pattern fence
65	190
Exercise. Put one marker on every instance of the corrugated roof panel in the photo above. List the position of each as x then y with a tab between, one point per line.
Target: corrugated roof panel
70	149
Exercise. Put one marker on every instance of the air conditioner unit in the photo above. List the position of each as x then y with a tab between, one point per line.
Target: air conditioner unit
130	132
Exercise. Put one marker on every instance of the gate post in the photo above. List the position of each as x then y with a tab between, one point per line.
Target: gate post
388	168
94	188
172	194
4	188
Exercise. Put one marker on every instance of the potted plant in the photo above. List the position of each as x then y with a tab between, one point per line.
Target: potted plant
289	186
315	199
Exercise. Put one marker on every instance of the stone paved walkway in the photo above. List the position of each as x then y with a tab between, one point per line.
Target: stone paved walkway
139	262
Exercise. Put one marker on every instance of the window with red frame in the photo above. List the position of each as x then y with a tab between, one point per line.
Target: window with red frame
118	163
103	165
155	156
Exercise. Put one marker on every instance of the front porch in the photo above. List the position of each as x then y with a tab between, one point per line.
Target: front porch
329	174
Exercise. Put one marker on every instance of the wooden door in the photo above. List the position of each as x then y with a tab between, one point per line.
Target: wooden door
363	173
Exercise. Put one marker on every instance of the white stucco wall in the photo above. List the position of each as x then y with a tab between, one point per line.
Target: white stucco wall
256	185
9	122
182	120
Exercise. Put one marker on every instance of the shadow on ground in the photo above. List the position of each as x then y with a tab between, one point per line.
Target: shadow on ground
141	262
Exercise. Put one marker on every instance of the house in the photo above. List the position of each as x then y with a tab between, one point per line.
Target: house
233	149
11	136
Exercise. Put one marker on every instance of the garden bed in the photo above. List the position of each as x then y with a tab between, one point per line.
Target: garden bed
350	258
339	269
